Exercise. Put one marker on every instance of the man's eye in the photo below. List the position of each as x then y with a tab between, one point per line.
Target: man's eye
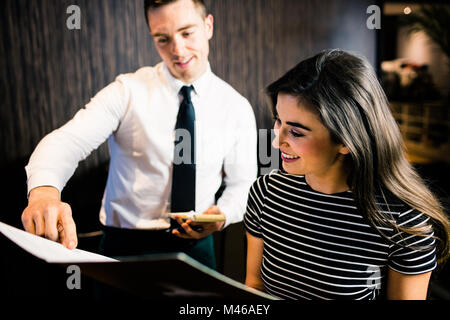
186	34
162	40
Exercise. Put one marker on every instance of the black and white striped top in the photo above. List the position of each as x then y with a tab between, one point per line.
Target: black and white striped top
319	246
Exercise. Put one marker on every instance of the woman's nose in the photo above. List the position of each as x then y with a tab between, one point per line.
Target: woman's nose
279	138
276	140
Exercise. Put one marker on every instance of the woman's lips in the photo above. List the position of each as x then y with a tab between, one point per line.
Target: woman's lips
288	158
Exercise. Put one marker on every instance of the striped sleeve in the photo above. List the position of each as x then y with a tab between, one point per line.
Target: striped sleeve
412	254
255	204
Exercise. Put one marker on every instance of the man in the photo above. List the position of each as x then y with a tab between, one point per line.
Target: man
156	120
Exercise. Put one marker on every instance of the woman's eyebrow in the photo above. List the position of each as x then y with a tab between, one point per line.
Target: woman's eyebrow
298	125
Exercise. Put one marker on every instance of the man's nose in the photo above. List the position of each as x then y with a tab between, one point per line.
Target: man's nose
177	47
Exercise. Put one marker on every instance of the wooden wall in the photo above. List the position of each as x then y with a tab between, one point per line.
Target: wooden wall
48	72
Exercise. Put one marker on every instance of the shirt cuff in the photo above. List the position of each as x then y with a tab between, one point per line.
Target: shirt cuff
230	213
44	178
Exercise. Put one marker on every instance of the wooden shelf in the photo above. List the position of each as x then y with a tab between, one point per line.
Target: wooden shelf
425	128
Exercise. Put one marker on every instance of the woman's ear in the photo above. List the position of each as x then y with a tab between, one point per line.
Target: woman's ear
343	149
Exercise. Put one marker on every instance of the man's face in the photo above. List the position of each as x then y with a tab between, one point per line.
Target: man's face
181	36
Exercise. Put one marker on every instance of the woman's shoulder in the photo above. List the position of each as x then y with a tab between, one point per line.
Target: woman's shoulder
389	201
260	184
398	209
276	180
278	175
281	174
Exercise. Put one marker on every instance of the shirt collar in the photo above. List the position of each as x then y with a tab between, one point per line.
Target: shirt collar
200	85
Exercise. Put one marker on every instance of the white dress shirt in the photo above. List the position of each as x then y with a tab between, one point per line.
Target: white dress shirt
137	114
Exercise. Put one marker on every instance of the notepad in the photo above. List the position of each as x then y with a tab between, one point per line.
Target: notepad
198	217
47	250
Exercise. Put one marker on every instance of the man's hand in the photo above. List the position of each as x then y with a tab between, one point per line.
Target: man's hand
47	216
205	228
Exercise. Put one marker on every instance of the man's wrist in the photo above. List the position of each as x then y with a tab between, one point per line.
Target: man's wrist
47	192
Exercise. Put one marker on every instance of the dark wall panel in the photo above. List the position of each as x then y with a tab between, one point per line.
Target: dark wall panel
258	40
48	72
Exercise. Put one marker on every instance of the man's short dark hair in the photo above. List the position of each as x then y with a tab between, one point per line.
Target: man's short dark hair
154	4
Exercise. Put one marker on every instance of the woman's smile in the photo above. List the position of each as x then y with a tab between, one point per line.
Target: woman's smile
288	158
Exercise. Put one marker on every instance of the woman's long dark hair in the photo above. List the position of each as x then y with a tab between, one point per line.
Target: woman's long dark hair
350	102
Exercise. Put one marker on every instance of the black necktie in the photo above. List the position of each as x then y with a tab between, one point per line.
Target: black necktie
183	178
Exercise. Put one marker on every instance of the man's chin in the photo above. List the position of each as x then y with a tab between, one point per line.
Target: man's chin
190	74
178	72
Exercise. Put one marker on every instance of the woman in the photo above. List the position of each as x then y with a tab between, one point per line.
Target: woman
347	217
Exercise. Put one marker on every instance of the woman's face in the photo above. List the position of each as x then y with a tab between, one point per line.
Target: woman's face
304	142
